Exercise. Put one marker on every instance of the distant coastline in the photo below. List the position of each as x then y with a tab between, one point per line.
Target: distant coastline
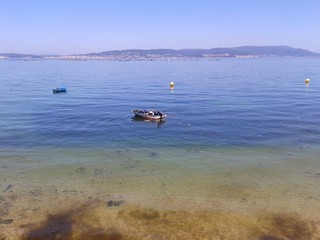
171	54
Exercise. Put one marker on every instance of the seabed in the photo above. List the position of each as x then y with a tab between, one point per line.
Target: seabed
128	196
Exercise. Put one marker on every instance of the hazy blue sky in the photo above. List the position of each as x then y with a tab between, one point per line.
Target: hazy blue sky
83	26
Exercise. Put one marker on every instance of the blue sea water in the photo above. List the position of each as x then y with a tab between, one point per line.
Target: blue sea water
231	102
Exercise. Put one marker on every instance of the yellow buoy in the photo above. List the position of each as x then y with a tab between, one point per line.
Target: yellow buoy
172	85
307	81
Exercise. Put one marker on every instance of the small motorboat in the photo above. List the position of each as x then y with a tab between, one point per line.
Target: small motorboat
59	90
149	114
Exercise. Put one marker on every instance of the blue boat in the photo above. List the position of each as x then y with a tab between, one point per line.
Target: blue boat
59	90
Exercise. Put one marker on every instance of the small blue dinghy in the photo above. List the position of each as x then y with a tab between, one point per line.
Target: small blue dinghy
59	90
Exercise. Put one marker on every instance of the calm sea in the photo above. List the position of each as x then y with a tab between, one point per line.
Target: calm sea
241	135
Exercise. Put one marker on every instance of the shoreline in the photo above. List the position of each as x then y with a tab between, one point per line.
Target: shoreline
141	199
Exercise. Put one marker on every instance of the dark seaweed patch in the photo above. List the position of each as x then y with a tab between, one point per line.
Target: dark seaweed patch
267	237
8	187
114	203
80	170
4	206
288	227
69	225
153	155
6	221
145	214
101	234
55	227
83	224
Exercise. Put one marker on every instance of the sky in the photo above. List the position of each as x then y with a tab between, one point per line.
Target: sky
86	26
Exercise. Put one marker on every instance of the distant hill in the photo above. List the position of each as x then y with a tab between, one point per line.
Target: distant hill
259	51
246	51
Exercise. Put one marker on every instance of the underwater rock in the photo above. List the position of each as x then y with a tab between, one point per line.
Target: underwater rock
80	170
114	203
8	187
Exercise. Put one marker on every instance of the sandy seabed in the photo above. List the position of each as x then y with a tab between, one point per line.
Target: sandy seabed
133	199
50	214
